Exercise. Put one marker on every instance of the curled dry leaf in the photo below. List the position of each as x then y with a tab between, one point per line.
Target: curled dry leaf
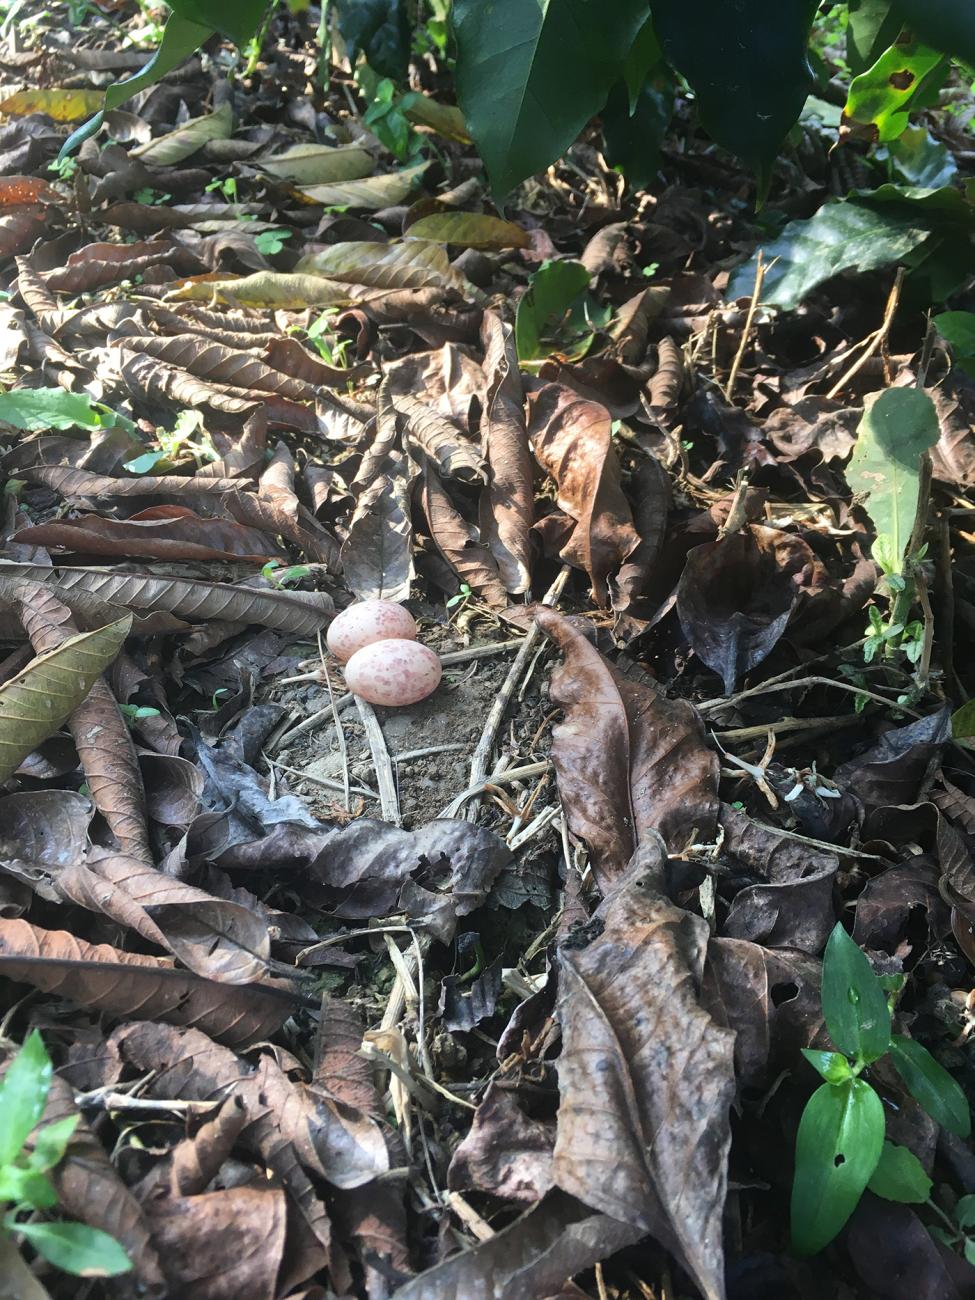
35	703
101	737
97	265
628	760
195	1161
572	441
451	451
217	363
458	541
81	483
650	488
413	264
300	612
507	505
646	1077
124	984
668	378
506	1153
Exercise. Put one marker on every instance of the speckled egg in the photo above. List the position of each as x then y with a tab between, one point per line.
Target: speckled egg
393	672
368	621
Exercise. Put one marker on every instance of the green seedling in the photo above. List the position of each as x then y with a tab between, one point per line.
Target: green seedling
174	443
270	242
284	577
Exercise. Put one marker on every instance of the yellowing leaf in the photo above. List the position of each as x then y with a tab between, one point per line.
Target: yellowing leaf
61	105
445	119
35	703
317	164
186	140
372	193
470	229
290	292
413	264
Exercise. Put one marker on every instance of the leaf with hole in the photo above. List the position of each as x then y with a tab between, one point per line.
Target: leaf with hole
881	99
854	1003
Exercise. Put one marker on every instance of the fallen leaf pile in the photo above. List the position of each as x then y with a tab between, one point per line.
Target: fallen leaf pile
507	989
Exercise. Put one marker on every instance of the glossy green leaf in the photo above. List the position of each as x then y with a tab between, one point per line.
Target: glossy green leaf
76	1248
531	75
885	470
634	134
23	1094
238	19
854	1004
900	1176
553	289
917	158
872	26
931	1085
747	64
880	99
840	1138
379	29
644	57
948	25
833	1066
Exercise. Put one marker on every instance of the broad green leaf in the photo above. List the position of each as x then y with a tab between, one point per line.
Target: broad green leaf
957	328
884	470
872	26
880	99
917	158
446	119
180	38
52	1141
238	19
182	143
379	29
965	1212
841	236
645	56
76	1248
747	65
23	1186
900	1176
470	230
531	75
635	134
841	1135
34	409
35	703
553	289
963	722
281	289
854	1004
23	1093
318	164
60	105
948	25
931	1085
833	1066
371	193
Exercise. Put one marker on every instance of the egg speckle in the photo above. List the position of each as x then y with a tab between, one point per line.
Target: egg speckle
366	622
393	672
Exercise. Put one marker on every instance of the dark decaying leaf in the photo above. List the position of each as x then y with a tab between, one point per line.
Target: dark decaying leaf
123	984
903	905
458	541
450	450
895	770
81	483
650	488
377	557
46	827
507	506
572	441
646	1076
97	265
628	760
506	1153
736	596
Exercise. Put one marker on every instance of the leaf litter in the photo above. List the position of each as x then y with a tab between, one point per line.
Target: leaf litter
504	993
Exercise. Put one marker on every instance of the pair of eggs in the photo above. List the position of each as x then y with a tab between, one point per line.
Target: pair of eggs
384	662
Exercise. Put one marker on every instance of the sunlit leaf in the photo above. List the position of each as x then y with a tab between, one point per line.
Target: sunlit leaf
880	99
61	105
318	164
470	230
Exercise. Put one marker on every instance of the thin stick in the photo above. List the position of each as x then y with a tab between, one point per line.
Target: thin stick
388	801
339	731
786	724
749	320
876	339
324	781
767	689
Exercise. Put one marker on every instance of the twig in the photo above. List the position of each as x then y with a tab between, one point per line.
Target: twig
874	340
786	724
749	320
388	801
767	688
339	730
325	781
497	778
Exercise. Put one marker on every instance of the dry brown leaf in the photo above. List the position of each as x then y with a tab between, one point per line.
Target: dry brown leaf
572	441
191	1165
217	363
454	455
371	193
18	230
646	1077
176	145
628	760
412	264
286	290
458	541
124	984
507	505
97	265
318	164
82	484
289	357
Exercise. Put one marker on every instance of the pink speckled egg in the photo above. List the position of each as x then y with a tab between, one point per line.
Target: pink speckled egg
368	621
393	672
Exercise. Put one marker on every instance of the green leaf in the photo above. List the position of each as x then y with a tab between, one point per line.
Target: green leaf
238	19
948	25
854	1004
645	56
33	409
881	98
35	703
26	1187
918	159
963	722
634	134
747	64
76	1248
931	1085
957	328
872	26
470	230
380	29
554	287
52	1142
833	1066
841	236
841	1135
180	38
23	1094
531	75
965	1212
900	1176
885	467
